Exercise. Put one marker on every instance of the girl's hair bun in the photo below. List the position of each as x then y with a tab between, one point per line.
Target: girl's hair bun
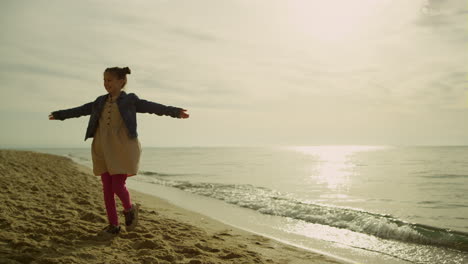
120	73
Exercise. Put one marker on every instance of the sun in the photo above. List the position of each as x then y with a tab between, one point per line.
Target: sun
332	21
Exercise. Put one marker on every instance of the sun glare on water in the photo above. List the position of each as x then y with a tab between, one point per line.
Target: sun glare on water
334	166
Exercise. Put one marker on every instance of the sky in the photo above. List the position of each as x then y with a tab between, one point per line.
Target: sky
249	72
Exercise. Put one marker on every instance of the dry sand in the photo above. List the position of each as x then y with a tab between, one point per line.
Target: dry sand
52	210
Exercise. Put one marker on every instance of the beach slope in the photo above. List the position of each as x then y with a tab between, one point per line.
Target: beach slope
52	210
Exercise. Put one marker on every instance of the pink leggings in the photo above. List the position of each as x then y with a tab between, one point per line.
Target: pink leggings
115	184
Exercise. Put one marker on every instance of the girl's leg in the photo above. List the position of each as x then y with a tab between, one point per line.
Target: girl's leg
119	188
109	200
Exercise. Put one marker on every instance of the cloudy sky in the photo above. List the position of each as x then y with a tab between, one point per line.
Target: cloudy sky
249	72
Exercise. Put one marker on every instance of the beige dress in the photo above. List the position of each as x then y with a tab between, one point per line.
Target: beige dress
112	149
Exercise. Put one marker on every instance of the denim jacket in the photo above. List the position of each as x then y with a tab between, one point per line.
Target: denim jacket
128	105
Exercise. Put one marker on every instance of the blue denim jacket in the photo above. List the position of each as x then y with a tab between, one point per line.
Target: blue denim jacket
128	105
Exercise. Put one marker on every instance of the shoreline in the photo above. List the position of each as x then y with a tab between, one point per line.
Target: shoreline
257	242
261	243
53	208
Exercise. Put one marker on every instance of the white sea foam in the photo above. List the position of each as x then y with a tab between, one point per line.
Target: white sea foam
275	203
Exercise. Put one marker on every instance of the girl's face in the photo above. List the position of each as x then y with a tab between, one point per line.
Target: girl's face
112	84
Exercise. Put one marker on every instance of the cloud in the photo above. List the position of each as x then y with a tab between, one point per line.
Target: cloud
192	34
44	69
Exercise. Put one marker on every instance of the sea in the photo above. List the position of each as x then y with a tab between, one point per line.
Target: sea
357	203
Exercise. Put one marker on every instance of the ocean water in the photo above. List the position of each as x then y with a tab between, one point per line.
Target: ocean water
369	204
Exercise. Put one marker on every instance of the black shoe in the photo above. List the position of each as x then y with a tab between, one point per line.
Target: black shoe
111	229
131	217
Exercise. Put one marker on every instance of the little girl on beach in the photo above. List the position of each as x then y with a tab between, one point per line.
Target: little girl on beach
115	149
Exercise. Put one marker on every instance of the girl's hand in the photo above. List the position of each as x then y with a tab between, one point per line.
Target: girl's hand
183	115
51	117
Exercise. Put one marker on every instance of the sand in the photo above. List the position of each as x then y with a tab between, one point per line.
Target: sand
52	211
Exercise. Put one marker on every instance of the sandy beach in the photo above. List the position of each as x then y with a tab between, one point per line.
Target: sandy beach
52	210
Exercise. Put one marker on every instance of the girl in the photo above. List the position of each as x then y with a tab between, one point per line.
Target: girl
115	149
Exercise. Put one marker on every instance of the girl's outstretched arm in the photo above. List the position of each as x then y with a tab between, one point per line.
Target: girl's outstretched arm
145	106
73	112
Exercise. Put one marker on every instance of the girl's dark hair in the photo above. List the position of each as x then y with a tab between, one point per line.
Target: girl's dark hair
120	73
